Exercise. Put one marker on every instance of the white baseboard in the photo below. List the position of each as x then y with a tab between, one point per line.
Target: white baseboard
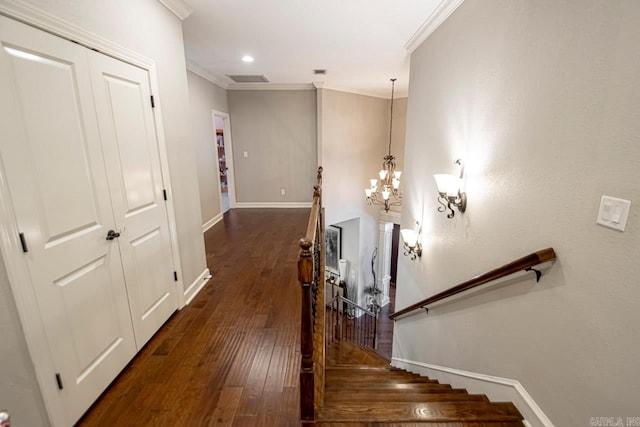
213	221
496	388
277	205
196	286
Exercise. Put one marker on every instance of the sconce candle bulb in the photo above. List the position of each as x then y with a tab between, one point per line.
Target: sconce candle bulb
411	241
449	194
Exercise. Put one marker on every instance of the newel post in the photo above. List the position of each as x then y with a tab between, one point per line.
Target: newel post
305	277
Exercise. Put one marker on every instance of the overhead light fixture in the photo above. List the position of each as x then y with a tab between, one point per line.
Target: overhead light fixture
247	58
411	241
449	194
386	191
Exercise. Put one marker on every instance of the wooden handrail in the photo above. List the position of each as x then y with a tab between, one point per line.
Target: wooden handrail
311	260
524	263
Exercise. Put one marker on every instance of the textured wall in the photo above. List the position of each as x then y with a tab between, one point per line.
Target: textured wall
542	101
204	97
278	131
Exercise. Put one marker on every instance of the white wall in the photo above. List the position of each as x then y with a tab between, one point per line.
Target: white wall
204	97
277	129
149	29
355	138
542	101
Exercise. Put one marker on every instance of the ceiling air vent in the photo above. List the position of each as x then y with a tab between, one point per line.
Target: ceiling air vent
248	79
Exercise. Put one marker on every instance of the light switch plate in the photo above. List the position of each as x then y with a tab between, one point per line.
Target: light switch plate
613	212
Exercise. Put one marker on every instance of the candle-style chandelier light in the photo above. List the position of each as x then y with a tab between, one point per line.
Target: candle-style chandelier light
386	190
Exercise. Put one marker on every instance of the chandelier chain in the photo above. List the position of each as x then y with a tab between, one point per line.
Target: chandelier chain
393	85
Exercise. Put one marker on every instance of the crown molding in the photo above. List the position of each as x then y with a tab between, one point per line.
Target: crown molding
198	70
399	94
38	18
178	8
439	15
271	86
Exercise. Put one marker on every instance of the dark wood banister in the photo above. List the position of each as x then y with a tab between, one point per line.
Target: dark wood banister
524	263
311	330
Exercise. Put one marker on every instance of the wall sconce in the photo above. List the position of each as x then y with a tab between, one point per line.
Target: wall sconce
411	241
449	194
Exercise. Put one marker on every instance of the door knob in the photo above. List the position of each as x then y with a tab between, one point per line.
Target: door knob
111	234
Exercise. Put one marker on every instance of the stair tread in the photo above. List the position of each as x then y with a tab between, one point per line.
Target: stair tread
384	385
374	398
423	411
435	389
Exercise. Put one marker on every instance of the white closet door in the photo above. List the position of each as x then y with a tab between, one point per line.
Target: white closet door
130	143
53	163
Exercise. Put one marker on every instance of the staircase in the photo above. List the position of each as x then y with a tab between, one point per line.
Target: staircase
361	389
343	384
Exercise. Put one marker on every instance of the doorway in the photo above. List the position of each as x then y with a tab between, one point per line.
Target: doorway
224	163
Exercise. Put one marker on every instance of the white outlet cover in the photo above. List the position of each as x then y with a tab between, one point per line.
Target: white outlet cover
613	212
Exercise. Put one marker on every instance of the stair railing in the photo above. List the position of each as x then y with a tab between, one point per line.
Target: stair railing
311	266
525	263
347	321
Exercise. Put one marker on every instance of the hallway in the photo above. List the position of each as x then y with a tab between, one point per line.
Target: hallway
232	356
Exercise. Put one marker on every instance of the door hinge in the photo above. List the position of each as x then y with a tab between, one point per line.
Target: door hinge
164	194
175	276
59	381
23	242
153	104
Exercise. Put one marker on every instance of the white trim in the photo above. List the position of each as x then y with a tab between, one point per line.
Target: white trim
271	86
439	15
391	216
228	152
196	286
319	126
213	221
178	8
496	388
26	303
199	71
277	205
364	92
35	17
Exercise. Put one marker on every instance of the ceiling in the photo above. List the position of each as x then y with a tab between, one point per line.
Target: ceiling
361	43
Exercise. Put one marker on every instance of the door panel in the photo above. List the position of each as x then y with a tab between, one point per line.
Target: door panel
127	129
52	157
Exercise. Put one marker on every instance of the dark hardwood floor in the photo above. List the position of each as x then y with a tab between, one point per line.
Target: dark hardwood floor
232	356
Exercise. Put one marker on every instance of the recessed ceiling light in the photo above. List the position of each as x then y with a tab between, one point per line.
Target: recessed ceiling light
247	58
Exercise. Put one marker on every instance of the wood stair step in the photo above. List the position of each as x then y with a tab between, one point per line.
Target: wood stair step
436	389
414	412
386	385
374	398
370	379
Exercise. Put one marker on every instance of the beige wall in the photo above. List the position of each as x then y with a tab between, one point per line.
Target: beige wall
149	29
277	129
541	99
204	97
355	138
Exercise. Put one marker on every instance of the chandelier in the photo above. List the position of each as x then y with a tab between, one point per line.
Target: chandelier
386	190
